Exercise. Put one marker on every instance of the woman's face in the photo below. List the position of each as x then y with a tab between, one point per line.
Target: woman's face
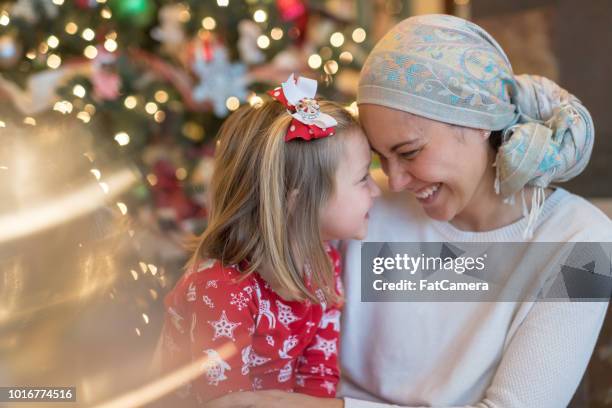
446	167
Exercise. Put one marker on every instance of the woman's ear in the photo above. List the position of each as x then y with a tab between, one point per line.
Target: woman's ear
292	199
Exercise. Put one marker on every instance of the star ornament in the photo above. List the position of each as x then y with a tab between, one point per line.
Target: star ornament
298	96
223	327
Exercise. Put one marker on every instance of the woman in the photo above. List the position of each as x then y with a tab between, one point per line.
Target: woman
470	151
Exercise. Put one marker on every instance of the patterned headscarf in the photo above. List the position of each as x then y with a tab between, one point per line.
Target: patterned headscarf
451	70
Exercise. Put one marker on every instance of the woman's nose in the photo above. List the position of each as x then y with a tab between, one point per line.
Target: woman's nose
399	178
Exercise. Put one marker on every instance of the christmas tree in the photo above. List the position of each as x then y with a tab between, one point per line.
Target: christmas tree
153	80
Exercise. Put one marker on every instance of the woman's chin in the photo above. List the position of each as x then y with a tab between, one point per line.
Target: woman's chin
440	213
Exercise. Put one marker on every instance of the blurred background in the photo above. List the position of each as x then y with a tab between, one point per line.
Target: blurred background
108	116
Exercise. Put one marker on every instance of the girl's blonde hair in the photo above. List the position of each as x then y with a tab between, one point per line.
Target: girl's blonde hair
267	195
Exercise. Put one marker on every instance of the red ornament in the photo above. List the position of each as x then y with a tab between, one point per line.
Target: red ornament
168	192
86	4
296	12
290	9
202	46
105	79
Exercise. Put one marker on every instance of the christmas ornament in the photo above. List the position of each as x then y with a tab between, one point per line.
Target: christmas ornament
137	12
290	9
168	193
219	79
250	53
170	31
32	10
104	77
294	11
40	92
10	51
86	4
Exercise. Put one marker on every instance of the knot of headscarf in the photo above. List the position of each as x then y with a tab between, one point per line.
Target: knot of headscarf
451	70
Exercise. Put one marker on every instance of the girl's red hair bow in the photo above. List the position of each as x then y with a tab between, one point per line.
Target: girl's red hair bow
298	96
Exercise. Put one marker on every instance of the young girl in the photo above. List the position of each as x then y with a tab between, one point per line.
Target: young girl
260	303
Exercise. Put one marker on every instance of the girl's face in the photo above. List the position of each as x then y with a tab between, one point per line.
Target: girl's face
345	216
446	167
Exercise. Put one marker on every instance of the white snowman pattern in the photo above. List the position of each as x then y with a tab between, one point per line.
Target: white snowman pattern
215	367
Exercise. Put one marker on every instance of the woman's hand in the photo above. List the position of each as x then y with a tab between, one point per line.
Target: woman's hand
273	399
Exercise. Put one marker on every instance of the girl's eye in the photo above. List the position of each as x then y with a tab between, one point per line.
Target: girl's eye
365	178
409	155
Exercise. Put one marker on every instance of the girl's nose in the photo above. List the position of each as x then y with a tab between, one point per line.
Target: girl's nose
374	189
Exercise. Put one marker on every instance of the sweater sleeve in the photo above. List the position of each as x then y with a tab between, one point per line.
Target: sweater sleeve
318	371
209	319
544	362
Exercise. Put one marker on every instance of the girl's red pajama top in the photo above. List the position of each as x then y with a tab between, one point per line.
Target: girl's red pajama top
252	338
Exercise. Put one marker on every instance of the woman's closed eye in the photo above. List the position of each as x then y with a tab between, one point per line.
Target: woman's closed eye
409	154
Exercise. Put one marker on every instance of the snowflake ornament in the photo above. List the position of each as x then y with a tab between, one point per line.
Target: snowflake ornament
219	79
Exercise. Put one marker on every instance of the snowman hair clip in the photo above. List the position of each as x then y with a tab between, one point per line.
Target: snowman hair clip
298	96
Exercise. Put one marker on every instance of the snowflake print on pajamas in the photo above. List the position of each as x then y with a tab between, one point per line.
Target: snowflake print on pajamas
250	337
239	300
223	327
